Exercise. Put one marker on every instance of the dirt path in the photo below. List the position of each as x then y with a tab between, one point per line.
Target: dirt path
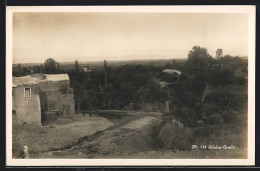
102	142
136	124
128	140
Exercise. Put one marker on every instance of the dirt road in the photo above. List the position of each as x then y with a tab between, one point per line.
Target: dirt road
104	142
97	137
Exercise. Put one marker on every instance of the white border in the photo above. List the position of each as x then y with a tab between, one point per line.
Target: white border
249	9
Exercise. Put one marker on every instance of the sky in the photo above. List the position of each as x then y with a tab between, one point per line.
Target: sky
67	37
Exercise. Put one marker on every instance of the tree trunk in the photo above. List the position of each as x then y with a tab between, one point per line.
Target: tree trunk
204	94
104	103
167	109
78	107
105	79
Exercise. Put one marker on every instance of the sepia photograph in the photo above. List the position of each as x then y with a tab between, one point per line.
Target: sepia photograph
130	82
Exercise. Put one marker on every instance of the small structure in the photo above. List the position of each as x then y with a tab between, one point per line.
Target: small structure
36	94
172	71
165	87
86	70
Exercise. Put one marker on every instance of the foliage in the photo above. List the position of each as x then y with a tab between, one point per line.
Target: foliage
118	88
170	134
219	53
50	66
38	68
186	115
241	80
21	71
221	77
76	66
198	57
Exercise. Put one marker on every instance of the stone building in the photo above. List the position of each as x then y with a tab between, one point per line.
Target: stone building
36	94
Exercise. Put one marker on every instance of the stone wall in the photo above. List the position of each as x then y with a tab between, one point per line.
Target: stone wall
58	100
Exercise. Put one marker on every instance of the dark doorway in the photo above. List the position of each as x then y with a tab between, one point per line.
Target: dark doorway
66	109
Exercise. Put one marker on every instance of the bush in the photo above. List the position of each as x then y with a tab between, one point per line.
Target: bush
231	116
175	137
241	80
202	132
207	109
187	116
222	77
215	118
171	135
151	107
155	142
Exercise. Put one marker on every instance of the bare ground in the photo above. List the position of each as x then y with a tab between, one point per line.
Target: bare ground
61	133
97	137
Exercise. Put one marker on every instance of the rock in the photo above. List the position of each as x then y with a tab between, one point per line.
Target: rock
56	153
80	153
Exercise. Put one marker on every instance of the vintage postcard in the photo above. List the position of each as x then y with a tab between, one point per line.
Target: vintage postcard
130	85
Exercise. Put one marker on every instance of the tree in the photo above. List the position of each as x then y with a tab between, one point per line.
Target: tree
105	68
173	62
219	53
18	71
50	66
76	66
19	66
199	56
38	68
58	66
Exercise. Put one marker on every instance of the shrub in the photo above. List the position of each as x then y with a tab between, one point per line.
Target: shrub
187	116
154	141
202	132
221	77
215	118
151	107
171	135
241	80
231	116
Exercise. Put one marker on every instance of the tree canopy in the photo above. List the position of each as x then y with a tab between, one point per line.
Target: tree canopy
50	66
199	56
219	53
76	66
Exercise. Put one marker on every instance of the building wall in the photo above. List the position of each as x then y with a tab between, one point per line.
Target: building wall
62	101
50	95
27	110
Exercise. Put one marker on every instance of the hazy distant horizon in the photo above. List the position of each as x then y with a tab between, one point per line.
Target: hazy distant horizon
101	60
115	60
115	36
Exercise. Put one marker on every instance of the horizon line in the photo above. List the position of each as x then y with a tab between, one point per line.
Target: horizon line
115	60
